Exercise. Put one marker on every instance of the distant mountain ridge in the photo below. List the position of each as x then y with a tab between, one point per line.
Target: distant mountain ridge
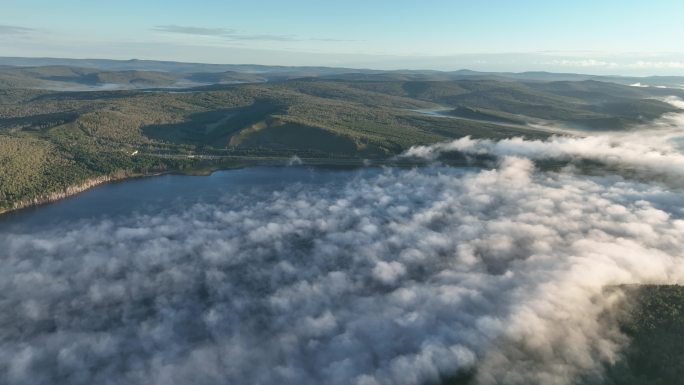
48	73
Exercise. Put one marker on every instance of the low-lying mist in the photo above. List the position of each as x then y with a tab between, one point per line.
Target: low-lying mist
654	151
406	277
402	277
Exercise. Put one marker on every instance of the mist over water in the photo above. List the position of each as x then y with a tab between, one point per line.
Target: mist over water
383	277
372	276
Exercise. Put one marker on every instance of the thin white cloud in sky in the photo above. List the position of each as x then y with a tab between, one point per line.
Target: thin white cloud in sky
233	34
14	30
658	64
581	63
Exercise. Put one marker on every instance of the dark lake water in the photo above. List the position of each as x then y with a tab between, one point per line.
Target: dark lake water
172	192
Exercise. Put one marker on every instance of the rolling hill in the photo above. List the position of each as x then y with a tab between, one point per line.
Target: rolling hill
94	133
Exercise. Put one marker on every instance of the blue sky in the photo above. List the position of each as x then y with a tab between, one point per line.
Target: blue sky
602	36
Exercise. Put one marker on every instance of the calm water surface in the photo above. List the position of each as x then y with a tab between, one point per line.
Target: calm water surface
172	192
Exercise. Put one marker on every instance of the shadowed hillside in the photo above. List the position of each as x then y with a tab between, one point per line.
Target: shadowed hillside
94	133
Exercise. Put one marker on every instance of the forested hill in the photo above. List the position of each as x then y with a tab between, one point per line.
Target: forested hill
50	140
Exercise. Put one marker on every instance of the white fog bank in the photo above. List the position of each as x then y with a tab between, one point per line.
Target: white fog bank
402	278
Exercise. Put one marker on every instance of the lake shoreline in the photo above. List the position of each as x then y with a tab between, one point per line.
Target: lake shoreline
209	170
107	179
73	191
